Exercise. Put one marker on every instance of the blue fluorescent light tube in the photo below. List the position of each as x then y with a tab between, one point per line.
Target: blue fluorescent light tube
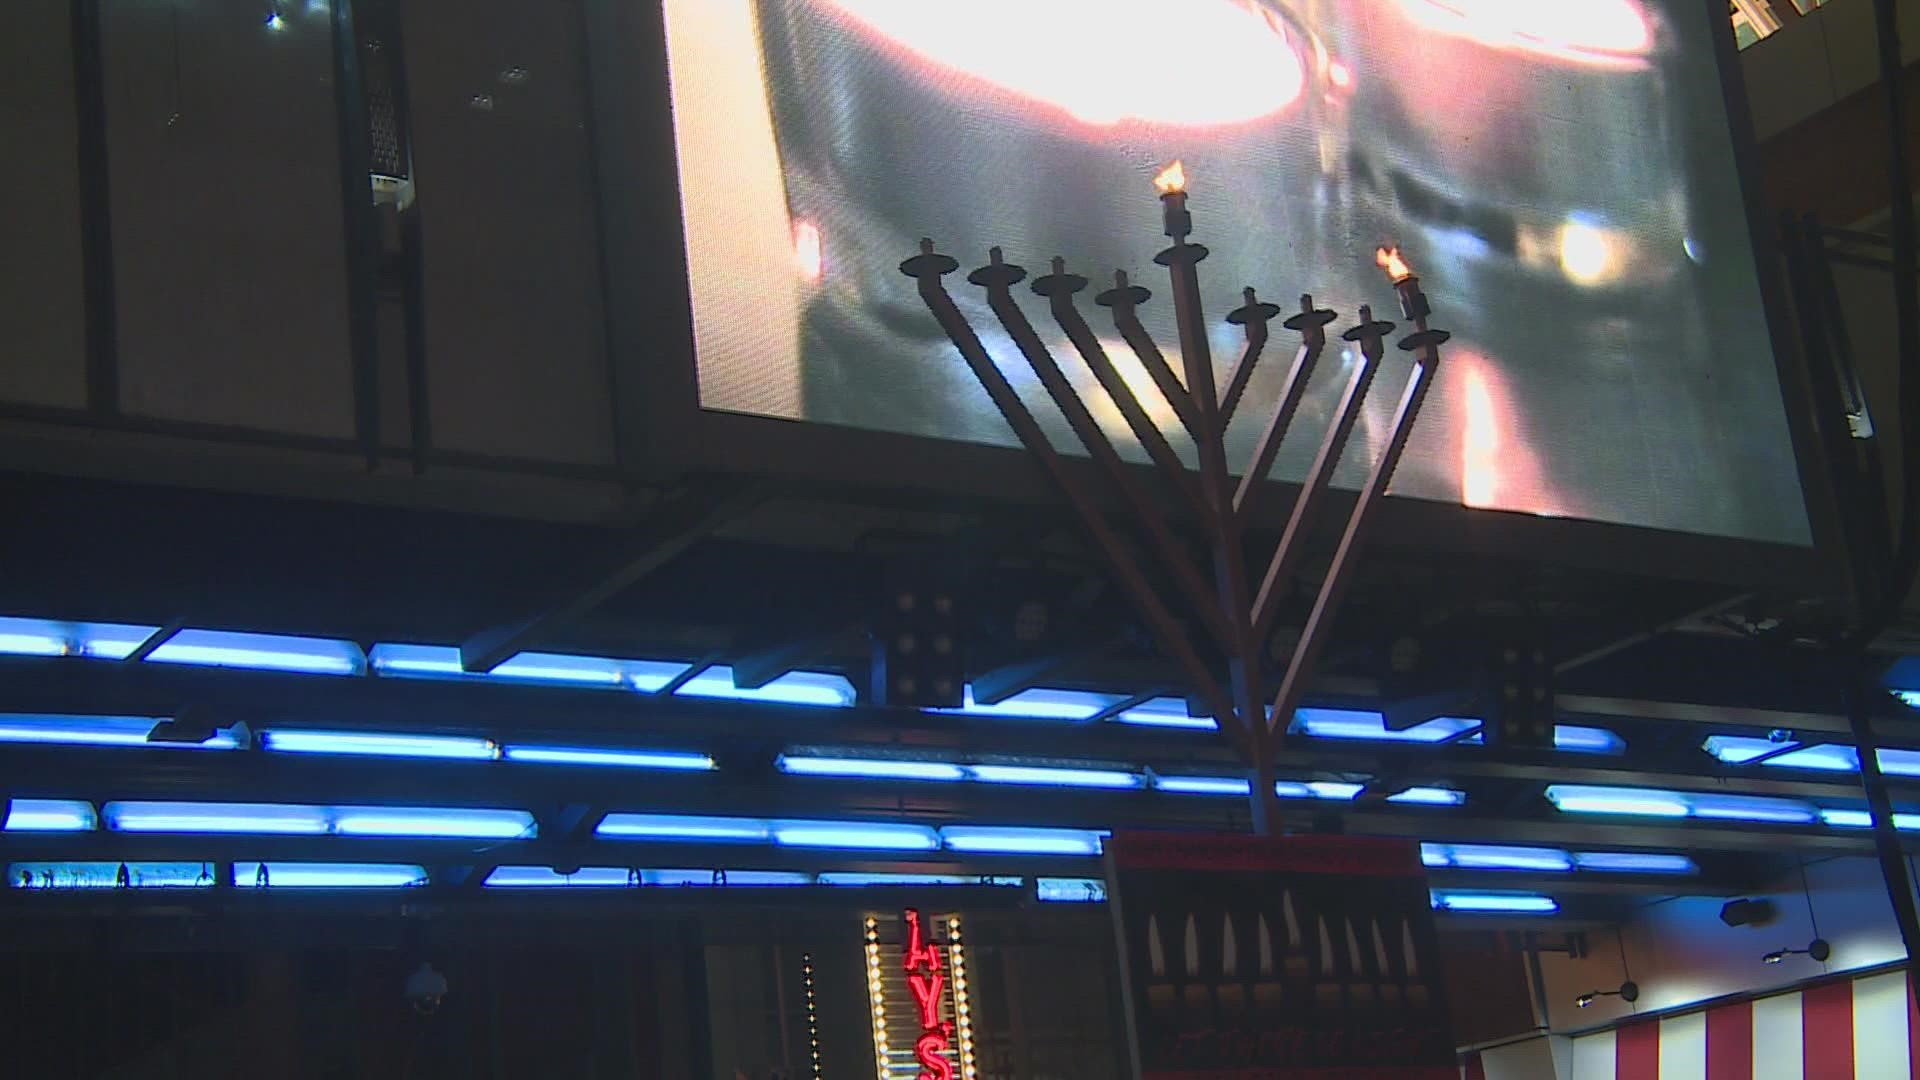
1166	712
1318	789
1055	777
1861	819
1582	799
1357	724
1203	785
1740	749
436	822
1040	704
542	877
793	688
684	827
281	818
379	744
1072	891
51	815
863	835
57	637
1496	857
273	652
443	661
1430	796
871	768
851	880
215	817
96	731
1587	740
1899	762
1634	862
627	759
293	875
106	875
1009	840
725	879
1752	808
1506	903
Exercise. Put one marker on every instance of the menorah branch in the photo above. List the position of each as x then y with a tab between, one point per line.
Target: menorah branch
1059	288
1370	335
998	278
1253	317
928	268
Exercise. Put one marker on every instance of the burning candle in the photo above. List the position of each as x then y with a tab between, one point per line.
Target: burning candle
1416	985
1359	990
1199	1005
1296	961
1389	988
1267	993
1231	994
1172	183
1160	996
1326	991
1413	302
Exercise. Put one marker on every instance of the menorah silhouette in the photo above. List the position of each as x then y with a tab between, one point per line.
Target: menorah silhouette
1236	615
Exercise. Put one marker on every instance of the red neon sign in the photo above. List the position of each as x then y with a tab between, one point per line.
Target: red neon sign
926	982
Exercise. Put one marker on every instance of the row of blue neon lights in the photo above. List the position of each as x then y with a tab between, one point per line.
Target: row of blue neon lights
69	815
328	656
295	875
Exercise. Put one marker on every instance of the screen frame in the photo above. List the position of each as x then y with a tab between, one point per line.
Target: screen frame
652	338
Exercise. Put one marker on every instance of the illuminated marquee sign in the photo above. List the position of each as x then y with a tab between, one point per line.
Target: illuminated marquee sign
922	1013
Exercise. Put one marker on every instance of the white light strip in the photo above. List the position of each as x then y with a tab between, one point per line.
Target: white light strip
876	999
962	998
813	1013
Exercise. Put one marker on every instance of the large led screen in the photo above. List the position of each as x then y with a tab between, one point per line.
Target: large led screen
1560	172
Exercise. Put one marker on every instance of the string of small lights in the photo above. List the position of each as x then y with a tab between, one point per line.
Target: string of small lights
877	998
962	1010
813	1012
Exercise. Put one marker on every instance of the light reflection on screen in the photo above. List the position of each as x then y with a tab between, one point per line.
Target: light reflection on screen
1561	175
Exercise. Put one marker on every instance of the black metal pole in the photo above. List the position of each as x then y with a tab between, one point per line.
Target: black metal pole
1862	689
1907	310
360	228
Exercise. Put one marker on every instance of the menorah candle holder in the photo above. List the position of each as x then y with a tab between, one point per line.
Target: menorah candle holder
1236	613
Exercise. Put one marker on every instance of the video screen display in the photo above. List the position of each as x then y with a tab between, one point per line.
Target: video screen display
1560	174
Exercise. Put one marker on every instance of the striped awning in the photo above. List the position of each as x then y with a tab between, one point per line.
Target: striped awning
1863	1029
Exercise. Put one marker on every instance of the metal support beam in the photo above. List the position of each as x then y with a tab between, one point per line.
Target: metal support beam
360	227
670	531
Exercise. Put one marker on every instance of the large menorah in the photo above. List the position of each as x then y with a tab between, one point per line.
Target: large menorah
1237	616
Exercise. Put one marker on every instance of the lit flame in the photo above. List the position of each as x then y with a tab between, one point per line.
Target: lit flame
1253	67
809	255
1593	33
1389	259
1173	179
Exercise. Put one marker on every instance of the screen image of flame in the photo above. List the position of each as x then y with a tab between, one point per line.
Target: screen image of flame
1173	179
1230	61
1498	469
1595	33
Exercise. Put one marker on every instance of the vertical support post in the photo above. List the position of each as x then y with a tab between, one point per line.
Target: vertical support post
1860	688
1182	261
360	229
